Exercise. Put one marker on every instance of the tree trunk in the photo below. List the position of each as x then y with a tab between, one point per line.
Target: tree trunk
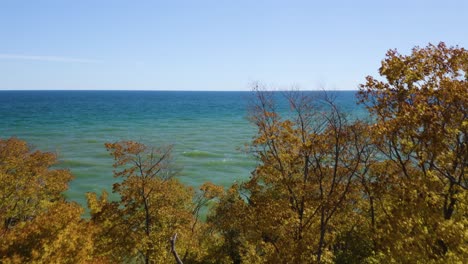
173	249
322	236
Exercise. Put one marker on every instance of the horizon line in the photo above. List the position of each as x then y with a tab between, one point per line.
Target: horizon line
166	90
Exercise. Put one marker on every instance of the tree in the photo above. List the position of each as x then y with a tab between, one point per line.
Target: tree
153	207
303	192
38	225
56	235
27	185
420	108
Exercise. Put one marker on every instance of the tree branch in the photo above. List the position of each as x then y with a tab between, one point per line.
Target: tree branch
173	250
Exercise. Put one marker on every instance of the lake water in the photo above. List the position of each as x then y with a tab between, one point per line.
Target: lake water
208	130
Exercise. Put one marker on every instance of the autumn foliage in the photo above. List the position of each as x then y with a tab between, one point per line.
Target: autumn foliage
38	224
420	131
153	207
328	188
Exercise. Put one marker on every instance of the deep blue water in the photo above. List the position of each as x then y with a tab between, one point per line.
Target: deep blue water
208	129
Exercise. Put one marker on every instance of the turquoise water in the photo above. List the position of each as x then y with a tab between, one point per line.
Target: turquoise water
208	130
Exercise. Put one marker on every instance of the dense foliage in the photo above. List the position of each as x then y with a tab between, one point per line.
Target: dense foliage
327	189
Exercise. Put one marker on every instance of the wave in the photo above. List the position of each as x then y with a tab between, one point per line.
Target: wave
78	164
201	154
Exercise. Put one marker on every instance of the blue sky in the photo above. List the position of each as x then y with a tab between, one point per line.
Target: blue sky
213	45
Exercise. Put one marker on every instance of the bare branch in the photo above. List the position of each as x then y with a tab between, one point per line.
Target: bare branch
173	249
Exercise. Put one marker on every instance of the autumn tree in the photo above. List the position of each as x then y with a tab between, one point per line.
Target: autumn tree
302	193
419	188
153	207
38	225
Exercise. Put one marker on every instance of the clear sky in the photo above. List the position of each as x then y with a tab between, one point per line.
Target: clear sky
213	45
